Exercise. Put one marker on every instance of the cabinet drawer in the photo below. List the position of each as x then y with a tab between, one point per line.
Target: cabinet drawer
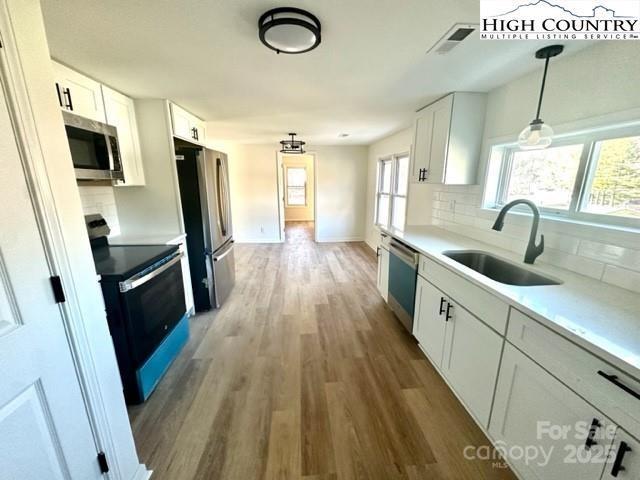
482	304
578	369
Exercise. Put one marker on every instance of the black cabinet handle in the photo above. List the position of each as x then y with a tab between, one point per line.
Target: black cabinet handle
377	251
442	300
617	463
448	315
67	93
59	96
589	442
614	379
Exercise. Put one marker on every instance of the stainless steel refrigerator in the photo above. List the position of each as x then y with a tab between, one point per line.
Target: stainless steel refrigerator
203	176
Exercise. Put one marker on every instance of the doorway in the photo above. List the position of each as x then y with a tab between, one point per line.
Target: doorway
298	210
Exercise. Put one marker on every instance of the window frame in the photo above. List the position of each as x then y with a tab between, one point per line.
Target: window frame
393	189
582	182
286	186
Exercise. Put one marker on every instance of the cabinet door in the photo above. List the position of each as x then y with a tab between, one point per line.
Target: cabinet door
383	273
429	324
421	149
441	122
624	460
181	120
471	358
121	113
79	94
533	410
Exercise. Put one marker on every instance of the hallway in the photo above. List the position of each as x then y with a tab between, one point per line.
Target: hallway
305	373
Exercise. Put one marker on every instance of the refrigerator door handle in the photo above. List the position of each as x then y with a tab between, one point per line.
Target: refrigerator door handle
217	258
221	209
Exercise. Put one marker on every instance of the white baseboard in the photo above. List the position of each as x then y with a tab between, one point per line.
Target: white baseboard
142	473
340	239
258	240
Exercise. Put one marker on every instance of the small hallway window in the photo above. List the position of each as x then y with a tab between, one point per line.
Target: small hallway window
391	194
296	186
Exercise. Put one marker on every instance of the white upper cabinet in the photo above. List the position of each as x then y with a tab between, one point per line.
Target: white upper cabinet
78	94
447	139
121	113
186	125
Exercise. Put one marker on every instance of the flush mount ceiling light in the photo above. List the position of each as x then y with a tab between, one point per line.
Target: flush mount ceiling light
289	30
538	134
292	145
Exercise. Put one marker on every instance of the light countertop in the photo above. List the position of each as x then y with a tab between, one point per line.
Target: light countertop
156	239
601	318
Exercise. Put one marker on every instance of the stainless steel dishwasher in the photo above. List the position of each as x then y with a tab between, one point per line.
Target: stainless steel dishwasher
403	271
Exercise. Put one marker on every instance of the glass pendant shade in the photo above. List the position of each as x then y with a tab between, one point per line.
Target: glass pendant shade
536	135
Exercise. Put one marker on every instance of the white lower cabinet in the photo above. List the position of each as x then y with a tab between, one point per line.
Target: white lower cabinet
543	425
624	462
428	324
383	272
466	351
471	359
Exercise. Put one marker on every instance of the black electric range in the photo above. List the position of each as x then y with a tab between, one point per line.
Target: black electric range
144	298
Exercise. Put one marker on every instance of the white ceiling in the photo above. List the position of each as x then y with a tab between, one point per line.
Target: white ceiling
366	78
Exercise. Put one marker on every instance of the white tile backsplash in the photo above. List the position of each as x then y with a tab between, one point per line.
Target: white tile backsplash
101	199
609	255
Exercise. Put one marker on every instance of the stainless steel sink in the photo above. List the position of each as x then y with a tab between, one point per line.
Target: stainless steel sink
499	270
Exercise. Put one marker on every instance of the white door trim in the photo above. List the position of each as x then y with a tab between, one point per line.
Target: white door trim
37	178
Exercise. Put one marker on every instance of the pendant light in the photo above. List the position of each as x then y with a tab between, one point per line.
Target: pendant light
289	30
538	134
292	146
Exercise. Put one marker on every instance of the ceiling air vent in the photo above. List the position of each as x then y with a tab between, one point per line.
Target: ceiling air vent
452	38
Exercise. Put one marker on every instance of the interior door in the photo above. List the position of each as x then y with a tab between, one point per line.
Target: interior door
44	427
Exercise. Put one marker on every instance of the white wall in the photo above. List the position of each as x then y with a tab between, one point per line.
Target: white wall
341	176
303	212
254	192
595	82
101	199
341	192
399	142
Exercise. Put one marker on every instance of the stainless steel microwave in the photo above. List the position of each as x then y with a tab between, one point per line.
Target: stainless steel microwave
94	148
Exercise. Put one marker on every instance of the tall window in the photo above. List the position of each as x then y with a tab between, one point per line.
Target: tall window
592	177
296	186
391	195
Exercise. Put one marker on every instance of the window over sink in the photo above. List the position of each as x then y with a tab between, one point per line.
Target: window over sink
391	194
592	176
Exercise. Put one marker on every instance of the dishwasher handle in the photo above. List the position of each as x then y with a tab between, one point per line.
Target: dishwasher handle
404	253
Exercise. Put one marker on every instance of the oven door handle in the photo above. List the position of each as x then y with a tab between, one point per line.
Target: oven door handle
137	280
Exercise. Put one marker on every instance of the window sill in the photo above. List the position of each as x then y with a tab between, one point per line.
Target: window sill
569	222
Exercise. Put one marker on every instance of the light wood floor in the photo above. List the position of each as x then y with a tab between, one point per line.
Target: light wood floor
305	373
